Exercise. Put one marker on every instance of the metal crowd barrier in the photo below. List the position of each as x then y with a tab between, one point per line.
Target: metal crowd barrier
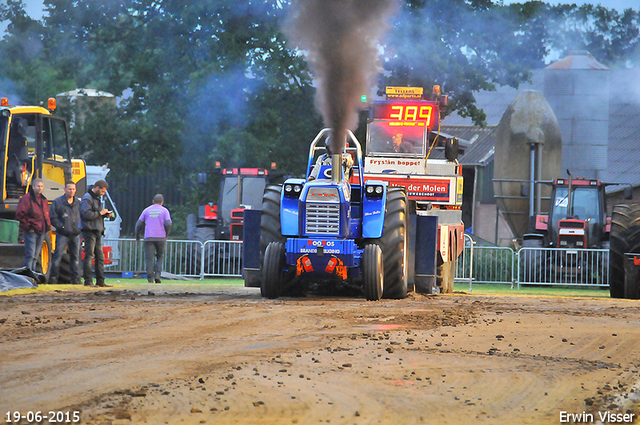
486	264
464	264
533	266
182	257
222	258
479	264
558	266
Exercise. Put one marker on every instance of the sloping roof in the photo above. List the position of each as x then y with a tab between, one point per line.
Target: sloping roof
578	59
494	103
482	142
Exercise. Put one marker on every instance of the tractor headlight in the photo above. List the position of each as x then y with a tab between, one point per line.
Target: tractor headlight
292	190
374	190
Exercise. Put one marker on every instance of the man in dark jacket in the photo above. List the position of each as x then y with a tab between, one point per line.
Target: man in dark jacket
65	217
33	215
93	214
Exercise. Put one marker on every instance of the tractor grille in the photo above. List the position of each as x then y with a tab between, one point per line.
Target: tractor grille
323	219
571	224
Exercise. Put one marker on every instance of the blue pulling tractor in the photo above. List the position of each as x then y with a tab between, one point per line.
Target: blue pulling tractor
386	223
334	228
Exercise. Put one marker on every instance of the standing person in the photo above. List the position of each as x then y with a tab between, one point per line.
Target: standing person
65	217
325	159
33	215
400	145
92	215
155	222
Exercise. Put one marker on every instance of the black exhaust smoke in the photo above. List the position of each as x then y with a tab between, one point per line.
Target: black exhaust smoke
340	41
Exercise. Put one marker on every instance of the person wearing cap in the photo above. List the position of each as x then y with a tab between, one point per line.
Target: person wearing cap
154	225
325	159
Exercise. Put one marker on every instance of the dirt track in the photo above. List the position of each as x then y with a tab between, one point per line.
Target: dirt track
157	355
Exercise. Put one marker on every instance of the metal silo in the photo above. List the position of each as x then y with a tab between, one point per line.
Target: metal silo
528	146
577	89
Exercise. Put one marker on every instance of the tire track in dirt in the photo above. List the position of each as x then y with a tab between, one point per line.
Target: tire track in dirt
224	357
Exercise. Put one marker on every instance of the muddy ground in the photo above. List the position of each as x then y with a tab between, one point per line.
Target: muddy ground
223	355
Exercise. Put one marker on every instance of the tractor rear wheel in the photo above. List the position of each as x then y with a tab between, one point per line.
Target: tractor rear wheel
270	230
373	272
203	234
394	244
192	222
625	237
273	273
533	260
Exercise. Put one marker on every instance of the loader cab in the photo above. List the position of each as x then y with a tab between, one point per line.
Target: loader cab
35	144
579	220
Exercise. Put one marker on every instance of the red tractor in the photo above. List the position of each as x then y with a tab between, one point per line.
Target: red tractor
577	220
240	188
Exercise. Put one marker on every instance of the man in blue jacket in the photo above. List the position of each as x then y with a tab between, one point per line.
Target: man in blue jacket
65	217
93	213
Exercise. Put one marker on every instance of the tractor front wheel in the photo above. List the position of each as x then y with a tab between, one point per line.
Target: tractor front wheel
269	226
273	273
373	272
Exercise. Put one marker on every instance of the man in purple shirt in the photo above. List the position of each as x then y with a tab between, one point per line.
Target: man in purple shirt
155	224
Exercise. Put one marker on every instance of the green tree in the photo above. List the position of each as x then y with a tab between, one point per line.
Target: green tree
610	36
27	72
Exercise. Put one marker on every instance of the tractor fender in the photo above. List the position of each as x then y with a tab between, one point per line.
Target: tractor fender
289	207
373	210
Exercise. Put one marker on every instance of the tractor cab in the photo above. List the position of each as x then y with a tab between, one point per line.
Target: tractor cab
240	189
577	217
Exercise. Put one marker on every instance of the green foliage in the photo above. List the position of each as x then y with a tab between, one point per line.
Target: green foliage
179	215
